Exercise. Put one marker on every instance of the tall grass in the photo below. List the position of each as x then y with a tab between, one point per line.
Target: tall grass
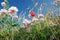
49	29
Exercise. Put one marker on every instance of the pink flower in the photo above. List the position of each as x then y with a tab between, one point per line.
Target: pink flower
58	0
13	10
3	4
3	11
55	2
26	22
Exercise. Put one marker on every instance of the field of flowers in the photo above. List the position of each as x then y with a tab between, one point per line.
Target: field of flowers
41	27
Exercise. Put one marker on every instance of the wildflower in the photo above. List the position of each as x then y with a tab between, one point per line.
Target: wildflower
13	10
32	14
40	17
34	20
3	11
56	2
26	22
3	4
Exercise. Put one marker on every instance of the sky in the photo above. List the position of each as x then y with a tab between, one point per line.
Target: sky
26	5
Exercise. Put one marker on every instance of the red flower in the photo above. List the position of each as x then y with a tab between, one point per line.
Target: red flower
32	14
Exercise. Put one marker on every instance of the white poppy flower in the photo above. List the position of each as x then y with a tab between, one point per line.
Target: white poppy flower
3	4
26	22
3	11
40	16
57	0
13	10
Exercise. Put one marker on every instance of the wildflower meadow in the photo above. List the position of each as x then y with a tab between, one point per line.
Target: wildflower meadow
40	27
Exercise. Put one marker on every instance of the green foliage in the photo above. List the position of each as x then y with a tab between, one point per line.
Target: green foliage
39	31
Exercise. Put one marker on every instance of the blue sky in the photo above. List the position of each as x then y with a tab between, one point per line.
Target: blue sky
22	5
